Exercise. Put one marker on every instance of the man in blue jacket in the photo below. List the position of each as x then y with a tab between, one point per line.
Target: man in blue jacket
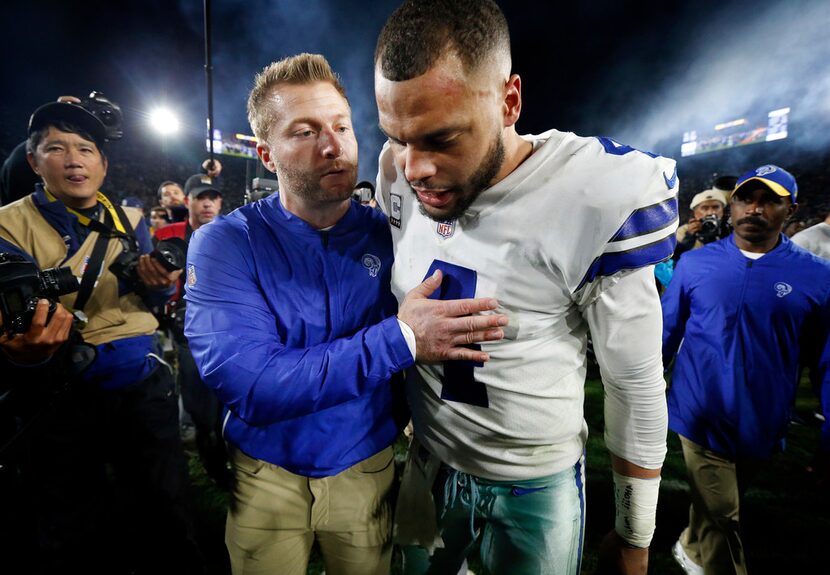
740	306
292	322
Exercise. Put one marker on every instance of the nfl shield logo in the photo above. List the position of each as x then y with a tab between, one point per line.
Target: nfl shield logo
446	228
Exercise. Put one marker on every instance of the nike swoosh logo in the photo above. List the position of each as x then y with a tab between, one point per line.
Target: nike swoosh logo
519	491
670	182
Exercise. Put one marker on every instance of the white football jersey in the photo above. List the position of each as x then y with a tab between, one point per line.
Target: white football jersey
576	212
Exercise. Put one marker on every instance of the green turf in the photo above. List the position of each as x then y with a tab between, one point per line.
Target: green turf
785	518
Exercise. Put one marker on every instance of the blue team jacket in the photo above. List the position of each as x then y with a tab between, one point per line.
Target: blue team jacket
741	324
294	329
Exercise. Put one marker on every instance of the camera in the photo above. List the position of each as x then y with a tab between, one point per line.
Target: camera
261	188
713	228
709	229
171	316
107	112
364	192
170	253
709	225
22	285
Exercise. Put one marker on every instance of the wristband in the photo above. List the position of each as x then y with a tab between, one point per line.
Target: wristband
636	508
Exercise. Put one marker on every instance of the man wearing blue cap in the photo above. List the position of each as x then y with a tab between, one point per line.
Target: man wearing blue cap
740	306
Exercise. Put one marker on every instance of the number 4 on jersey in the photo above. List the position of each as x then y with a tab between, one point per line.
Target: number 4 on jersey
458	382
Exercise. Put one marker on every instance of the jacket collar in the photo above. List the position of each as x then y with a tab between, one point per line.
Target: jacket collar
273	205
784	245
58	217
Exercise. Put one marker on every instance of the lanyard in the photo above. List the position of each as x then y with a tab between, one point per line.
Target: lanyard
90	275
85	221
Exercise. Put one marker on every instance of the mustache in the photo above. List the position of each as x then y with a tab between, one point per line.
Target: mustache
753	220
339	165
422	185
429	187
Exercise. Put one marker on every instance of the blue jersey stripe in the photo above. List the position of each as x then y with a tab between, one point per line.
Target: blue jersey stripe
610	263
615	148
647	220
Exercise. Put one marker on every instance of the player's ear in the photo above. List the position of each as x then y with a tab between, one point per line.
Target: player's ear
264	153
512	103
30	157
792	209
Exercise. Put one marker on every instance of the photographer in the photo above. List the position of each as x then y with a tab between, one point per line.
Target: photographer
706	224
123	409
204	202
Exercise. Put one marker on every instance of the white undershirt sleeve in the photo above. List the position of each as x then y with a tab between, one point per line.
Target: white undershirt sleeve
409	336
626	325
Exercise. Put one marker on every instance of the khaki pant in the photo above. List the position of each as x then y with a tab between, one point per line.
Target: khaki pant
276	515
713	539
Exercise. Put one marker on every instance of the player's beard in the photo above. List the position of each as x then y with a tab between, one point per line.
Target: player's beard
478	182
306	183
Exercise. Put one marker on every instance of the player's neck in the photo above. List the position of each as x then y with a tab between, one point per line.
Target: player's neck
516	151
759	246
320	215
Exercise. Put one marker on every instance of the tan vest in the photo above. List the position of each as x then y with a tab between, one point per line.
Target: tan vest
681	234
110	317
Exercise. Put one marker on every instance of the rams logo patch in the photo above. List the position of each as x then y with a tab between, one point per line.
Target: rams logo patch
191	275
782	289
372	263
765	170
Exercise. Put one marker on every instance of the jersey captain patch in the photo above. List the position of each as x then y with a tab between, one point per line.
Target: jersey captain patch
395	210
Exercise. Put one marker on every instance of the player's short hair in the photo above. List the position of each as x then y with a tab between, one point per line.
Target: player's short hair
300	69
421	31
158	210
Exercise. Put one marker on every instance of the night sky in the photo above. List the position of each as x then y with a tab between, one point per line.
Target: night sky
639	71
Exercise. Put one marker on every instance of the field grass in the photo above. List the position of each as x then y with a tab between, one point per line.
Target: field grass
785	518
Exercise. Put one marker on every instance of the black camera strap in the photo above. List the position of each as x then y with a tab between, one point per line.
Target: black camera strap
91	271
106	230
116	224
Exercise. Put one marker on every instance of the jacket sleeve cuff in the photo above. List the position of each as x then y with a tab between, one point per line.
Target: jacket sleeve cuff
398	345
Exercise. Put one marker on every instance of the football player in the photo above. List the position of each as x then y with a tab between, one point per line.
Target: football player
564	231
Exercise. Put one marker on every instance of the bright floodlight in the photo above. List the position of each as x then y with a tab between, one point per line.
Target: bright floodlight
163	121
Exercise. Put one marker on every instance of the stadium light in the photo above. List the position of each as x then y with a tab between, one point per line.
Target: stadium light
164	121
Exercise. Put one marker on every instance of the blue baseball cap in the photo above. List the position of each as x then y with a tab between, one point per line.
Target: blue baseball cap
776	179
132	202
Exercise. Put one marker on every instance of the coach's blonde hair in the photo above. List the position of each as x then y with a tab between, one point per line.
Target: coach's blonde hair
300	69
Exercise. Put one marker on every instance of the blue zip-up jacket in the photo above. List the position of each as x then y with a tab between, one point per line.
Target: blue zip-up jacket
741	322
294	329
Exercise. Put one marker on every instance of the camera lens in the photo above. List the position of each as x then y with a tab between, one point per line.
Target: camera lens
171	253
56	282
